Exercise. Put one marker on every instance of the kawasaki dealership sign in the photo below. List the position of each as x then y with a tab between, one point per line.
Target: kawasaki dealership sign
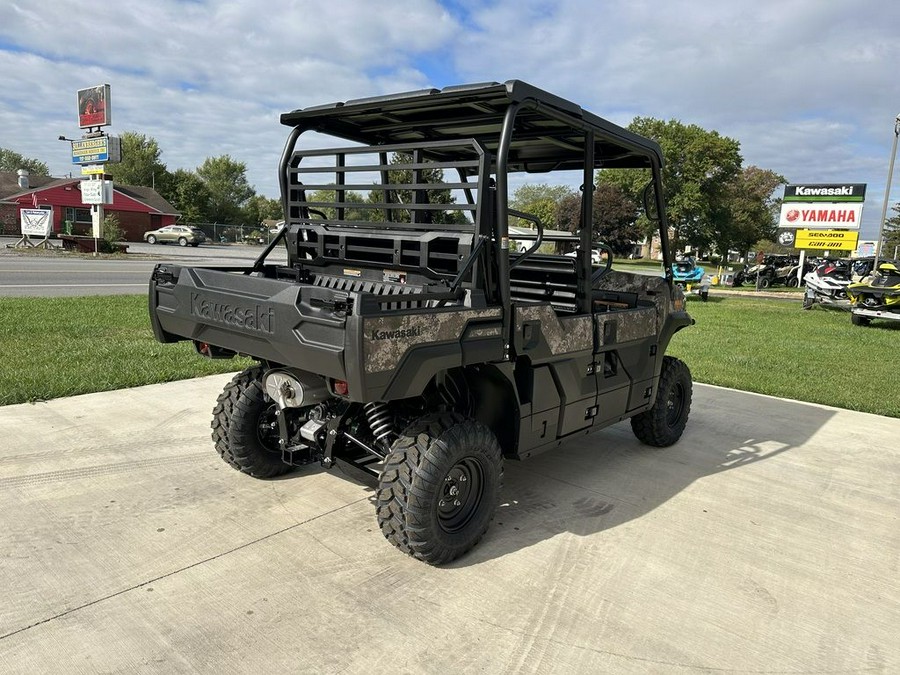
818	206
848	192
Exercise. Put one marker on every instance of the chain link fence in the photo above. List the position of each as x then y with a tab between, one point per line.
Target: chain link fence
219	233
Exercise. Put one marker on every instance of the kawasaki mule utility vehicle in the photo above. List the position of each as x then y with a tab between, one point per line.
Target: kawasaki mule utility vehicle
403	336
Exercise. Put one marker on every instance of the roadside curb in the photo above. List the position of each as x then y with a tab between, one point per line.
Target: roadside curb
715	290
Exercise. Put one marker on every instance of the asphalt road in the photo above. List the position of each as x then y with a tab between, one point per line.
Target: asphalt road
23	274
765	541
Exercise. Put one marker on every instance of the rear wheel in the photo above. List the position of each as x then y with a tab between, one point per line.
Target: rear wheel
182	241
245	426
859	320
440	487
151	239
663	424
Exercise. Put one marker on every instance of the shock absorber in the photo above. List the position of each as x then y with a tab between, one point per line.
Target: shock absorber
381	422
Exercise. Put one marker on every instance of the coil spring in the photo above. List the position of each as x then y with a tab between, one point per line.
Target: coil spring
381	422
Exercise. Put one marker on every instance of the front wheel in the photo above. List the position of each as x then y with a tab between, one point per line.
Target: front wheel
663	424
151	239
440	487
245	426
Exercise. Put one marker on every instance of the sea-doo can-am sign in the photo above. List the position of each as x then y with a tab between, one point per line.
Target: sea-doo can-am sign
818	206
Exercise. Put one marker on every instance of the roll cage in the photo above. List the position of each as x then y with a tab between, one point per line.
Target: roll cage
483	132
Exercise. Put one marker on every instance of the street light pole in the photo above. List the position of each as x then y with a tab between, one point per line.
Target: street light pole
887	194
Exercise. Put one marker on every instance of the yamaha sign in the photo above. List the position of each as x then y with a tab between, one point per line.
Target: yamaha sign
822	206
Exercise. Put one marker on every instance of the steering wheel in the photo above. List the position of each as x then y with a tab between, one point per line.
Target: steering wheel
602	271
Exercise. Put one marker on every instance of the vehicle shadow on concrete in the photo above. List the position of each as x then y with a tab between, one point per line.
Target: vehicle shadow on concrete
601	481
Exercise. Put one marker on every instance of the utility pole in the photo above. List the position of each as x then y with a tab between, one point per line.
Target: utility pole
887	194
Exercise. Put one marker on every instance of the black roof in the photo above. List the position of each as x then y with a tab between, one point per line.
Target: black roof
549	130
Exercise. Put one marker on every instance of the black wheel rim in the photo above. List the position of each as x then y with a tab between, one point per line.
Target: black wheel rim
675	405
461	495
267	429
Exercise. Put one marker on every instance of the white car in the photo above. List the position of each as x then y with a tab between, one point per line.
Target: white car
596	257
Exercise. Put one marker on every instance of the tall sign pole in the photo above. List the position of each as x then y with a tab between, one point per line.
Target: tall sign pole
97	216
887	194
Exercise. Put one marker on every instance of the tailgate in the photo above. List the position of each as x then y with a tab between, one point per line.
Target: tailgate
270	319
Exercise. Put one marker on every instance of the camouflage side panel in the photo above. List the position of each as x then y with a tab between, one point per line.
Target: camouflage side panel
563	335
630	324
640	284
490	331
386	339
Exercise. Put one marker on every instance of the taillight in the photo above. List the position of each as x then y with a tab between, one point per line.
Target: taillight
341	388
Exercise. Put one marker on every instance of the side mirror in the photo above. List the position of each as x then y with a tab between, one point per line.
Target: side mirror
650	202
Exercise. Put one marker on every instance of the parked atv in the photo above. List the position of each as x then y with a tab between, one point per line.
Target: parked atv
861	268
878	297
785	271
761	273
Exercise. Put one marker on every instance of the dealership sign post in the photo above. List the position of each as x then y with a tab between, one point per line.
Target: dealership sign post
817	216
94	150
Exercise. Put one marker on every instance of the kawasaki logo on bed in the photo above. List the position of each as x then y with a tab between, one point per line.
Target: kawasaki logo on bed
399	334
253	317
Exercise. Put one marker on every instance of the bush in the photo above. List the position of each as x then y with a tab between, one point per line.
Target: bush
111	234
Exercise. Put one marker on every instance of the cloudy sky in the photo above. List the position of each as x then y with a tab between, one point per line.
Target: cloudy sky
808	87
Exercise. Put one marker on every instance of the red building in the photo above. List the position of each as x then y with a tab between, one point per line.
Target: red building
138	209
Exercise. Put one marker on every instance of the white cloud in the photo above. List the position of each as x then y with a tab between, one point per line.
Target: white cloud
205	78
807	86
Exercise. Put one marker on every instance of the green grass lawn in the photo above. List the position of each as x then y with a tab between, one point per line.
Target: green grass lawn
51	347
774	347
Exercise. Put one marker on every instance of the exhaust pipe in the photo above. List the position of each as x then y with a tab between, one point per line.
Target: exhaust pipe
294	388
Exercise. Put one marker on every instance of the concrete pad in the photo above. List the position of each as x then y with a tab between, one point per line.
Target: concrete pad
767	540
